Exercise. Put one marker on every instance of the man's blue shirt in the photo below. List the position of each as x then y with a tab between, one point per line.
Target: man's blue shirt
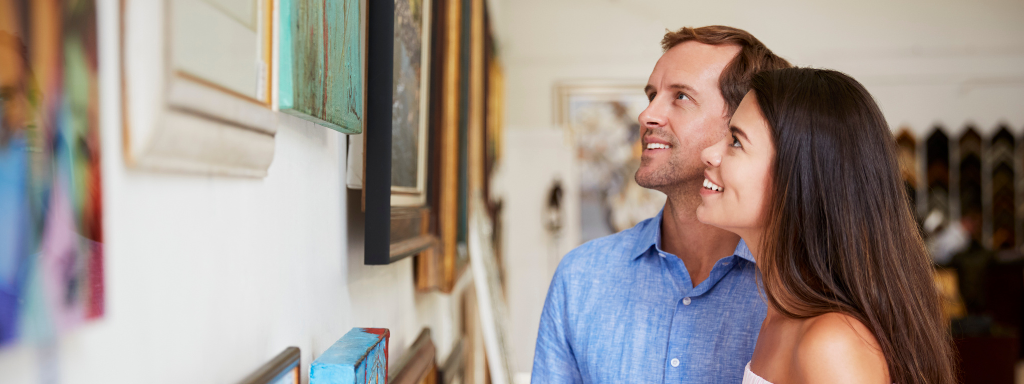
621	310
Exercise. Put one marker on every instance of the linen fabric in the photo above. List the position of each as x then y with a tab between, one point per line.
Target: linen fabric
620	309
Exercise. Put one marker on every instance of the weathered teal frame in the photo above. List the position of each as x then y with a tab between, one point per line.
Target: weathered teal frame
324	82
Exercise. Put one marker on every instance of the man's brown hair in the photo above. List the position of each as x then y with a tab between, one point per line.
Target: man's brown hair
754	57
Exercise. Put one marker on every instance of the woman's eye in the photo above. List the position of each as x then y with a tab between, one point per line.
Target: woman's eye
735	142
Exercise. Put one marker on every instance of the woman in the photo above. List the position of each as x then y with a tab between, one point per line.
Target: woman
808	177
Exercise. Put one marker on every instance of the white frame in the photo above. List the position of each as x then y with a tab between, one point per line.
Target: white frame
176	121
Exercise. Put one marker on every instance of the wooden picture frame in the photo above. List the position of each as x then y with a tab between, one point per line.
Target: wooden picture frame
395	194
419	363
285	368
359	357
322	62
211	112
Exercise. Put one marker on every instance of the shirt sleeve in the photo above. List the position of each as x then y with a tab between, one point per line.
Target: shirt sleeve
553	360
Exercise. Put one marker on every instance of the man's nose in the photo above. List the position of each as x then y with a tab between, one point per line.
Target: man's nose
654	115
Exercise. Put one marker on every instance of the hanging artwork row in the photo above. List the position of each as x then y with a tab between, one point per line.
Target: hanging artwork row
967	175
51	227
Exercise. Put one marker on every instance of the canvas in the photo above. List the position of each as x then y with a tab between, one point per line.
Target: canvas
51	226
409	94
602	119
361	356
321	62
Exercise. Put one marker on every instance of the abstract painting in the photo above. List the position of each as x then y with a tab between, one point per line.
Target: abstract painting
321	62
603	122
359	357
409	95
51	226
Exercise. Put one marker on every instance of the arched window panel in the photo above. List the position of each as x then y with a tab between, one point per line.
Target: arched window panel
1004	220
970	155
909	165
937	175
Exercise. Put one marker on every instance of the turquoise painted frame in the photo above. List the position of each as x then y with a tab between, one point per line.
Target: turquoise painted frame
322	62
359	357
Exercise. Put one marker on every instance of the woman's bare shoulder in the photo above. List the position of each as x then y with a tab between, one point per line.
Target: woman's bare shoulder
837	348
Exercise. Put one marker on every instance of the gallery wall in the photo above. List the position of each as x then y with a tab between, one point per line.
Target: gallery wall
208	277
950	63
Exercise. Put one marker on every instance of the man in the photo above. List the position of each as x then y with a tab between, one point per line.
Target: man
670	300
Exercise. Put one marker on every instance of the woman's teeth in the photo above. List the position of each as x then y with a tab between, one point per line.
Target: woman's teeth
712	186
657	146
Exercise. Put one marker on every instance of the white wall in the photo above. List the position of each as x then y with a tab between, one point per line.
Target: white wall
534	158
208	277
949	62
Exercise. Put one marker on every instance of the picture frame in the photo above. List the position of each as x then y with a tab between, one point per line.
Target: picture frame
322	62
285	368
358	357
419	363
211	112
395	141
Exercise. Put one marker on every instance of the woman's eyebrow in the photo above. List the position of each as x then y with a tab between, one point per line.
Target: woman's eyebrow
738	132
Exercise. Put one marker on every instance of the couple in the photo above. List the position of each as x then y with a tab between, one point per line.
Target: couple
783	188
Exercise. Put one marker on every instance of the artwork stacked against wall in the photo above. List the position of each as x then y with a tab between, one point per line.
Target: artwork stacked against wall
51	227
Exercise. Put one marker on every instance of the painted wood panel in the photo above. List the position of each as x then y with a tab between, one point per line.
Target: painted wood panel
361	356
321	62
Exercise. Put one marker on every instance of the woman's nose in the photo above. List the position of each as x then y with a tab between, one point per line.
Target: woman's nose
712	156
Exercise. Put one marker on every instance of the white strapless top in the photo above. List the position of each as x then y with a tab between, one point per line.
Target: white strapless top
752	378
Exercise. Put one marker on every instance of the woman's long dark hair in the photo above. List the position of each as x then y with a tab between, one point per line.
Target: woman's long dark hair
840	236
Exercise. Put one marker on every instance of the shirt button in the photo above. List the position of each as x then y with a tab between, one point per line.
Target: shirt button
675	362
686	301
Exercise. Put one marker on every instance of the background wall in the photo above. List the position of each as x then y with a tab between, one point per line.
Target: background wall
951	62
207	278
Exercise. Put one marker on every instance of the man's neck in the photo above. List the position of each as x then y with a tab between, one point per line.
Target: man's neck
698	245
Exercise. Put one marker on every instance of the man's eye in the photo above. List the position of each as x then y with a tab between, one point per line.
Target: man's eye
735	142
682	96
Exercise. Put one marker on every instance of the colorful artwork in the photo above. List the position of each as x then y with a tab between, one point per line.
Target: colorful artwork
51	233
603	122
361	356
321	62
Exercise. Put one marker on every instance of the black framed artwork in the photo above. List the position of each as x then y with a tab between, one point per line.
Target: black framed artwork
395	176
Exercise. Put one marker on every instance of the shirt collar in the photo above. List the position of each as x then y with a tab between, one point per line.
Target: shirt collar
650	236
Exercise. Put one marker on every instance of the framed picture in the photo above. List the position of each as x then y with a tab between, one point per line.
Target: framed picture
602	116
458	141
211	109
492	306
359	357
395	142
51	182
285	368
322	62
419	363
